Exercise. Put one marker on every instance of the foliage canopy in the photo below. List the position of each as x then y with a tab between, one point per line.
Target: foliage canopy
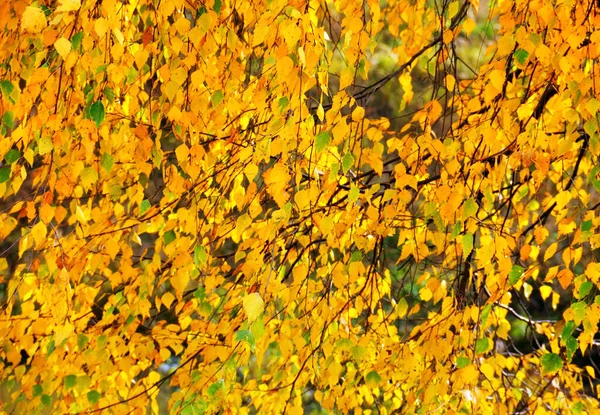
207	198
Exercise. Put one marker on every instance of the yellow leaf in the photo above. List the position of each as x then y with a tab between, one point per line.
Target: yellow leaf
488	371
62	333
45	145
167	299
284	67
101	26
33	19
179	281
80	216
497	78
39	233
46	213
253	306
68	5
63	47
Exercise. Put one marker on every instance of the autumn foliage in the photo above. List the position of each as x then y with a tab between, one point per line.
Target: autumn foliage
205	209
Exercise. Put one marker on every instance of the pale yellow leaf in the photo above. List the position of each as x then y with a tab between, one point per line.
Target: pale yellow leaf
33	19
253	306
63	47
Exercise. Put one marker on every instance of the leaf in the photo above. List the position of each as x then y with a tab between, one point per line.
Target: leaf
144	206
551	363
245	336
322	141
76	41
200	256
63	47
169	237
373	379
68	5
253	306
515	274
45	145
469	209
93	396
107	162
97	113
12	156
467	244
4	174
39	233
8	120
347	162
483	346
584	289
521	56
33	19
216	98
215	387
88	176
70	381
571	345
462	362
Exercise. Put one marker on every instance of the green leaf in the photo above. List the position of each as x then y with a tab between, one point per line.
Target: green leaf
463	362
144	206
322	140
469	209
347	162
590	126
485	313
216	98
356	256
97	113
76	41
373	379
521	56
571	344
551	363
483	346
82	341
515	274
353	193
282	104
467	244
200	256
215	387
169	237
109	94
12	156
7	88
587	226
70	381
93	397
8	120
584	289
217	6
107	162
4	174
456	230
246	337
568	329
37	390
46	400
